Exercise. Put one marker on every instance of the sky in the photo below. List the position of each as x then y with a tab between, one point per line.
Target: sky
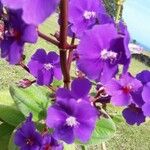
137	16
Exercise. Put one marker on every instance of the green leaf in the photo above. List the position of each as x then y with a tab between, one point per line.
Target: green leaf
11	144
105	129
11	115
5	133
57	83
117	118
5	98
32	99
69	146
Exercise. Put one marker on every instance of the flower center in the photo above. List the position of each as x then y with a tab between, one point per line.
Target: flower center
47	147
15	34
89	14
71	121
105	54
48	66
127	89
79	100
29	141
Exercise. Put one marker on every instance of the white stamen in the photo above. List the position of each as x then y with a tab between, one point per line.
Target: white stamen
79	100
105	54
71	121
112	55
89	14
48	66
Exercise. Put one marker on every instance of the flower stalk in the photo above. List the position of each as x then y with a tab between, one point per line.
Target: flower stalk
119	10
70	55
47	38
63	41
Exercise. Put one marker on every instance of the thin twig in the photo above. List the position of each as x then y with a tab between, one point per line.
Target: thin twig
119	10
24	66
56	42
70	55
52	88
47	38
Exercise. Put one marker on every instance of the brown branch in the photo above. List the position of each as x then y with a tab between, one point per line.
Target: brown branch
63	41
24	66
56	42
47	38
71	47
52	88
70	55
63	23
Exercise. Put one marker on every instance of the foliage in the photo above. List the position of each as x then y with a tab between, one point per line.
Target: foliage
33	99
53	106
111	7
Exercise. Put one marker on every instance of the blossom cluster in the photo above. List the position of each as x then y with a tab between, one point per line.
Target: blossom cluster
27	137
132	93
101	51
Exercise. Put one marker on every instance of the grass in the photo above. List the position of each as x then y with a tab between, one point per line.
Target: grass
126	138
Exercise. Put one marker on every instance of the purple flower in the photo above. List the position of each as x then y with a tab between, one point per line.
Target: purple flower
45	66
139	109
49	143
34	11
26	137
144	77
146	109
72	116
137	97
121	90
102	49
122	43
17	33
133	115
1	8
146	92
84	14
146	98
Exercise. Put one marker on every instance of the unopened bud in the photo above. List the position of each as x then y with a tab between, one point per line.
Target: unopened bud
24	83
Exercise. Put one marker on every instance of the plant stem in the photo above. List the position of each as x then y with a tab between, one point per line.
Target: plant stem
47	38
55	42
63	41
70	55
24	66
71	47
119	10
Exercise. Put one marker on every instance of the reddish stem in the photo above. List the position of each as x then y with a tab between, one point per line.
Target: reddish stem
63	41
47	38
24	67
52	88
71	47
70	55
55	42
